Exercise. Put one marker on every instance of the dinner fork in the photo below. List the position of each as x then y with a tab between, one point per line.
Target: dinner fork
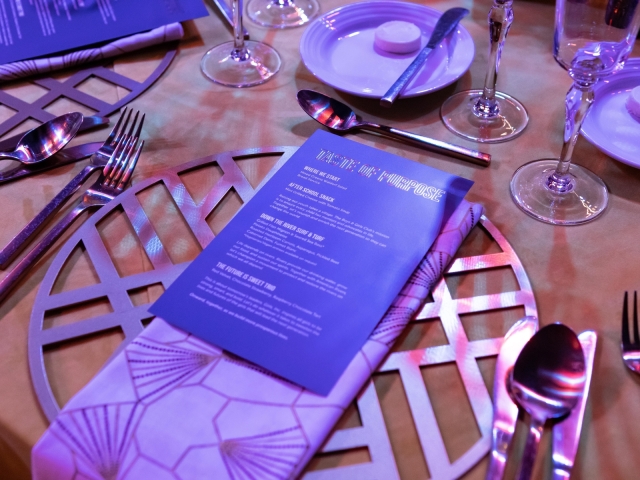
112	181
98	160
630	350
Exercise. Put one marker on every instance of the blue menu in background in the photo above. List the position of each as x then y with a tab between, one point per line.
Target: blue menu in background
33	28
300	277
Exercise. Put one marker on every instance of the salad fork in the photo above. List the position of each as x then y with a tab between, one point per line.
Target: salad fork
111	183
98	160
630	350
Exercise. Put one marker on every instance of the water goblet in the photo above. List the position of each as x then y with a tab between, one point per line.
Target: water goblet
240	63
592	40
487	115
282	13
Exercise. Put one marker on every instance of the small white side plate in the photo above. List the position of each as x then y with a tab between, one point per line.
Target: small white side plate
338	48
609	125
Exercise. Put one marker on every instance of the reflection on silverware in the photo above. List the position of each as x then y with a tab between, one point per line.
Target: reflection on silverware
339	117
566	434
44	141
547	381
630	350
88	122
98	160
505	412
116	174
446	24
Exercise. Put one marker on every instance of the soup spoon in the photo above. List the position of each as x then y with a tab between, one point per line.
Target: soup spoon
339	117
547	382
46	140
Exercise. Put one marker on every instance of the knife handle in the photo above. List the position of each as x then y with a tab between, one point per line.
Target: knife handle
400	84
20	241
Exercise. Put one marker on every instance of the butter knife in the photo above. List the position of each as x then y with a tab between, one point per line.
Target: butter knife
566	434
446	24
505	411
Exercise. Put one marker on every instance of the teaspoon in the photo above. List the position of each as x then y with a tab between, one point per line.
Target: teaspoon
547	381
44	141
339	117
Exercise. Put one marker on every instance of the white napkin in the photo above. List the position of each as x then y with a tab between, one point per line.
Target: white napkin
173	406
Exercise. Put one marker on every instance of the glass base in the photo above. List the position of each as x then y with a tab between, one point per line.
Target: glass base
282	13
457	113
253	65
584	200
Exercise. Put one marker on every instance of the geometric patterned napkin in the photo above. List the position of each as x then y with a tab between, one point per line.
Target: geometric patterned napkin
26	68
171	406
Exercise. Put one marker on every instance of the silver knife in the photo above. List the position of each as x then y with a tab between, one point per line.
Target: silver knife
64	157
446	24
566	434
505	412
88	123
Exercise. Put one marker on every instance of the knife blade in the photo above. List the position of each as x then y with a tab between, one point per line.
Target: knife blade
88	123
566	434
64	157
445	25
505	411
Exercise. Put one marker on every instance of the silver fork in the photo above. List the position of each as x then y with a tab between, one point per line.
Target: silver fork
630	350
114	178
98	160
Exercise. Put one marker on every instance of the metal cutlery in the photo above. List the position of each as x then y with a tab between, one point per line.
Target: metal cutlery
630	350
114	178
339	117
505	411
98	160
566	434
445	25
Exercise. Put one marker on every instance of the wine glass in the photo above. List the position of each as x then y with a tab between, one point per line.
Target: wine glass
488	115
240	63
282	13
591	40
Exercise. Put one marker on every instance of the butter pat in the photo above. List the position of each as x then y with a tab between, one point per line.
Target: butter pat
397	37
633	103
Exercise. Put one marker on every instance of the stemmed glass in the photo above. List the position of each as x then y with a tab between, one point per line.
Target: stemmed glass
240	63
488	115
592	40
282	13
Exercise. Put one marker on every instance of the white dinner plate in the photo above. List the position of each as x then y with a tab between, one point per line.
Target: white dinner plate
338	48
609	125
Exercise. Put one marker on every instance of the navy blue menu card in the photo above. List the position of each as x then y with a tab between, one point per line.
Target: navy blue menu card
299	278
33	28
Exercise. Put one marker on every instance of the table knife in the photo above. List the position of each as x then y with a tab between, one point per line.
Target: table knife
505	411
566	434
446	24
64	157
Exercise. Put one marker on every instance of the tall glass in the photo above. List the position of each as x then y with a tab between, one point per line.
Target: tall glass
282	13
593	38
240	63
488	115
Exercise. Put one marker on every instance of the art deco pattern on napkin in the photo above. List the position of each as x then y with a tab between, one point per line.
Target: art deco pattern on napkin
27	68
171	406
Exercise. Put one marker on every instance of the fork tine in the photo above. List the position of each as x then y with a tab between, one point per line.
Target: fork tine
626	342
113	159
636	336
119	169
132	166
114	131
133	124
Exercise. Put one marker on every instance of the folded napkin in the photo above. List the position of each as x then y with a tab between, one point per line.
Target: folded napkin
26	68
172	406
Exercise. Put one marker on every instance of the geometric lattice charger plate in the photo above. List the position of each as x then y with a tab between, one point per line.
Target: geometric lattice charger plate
484	290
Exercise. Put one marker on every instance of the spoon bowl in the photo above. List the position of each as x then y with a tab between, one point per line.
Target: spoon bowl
547	381
46	140
340	118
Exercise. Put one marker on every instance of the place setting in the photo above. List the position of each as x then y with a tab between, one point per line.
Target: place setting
280	309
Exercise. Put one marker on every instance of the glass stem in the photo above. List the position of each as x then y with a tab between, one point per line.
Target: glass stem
500	19
239	52
577	103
